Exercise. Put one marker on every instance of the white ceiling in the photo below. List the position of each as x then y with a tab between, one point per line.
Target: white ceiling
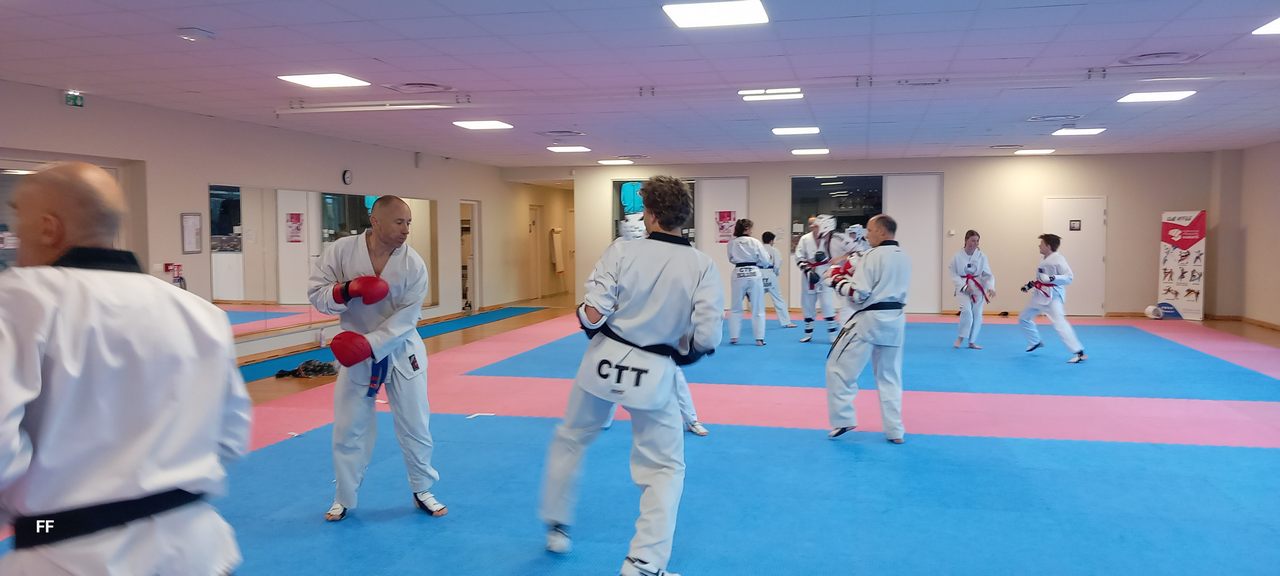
621	72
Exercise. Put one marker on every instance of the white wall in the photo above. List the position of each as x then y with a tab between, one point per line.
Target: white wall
1261	217
504	229
714	195
1001	197
169	159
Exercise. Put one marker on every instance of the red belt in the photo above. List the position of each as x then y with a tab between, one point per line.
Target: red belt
971	278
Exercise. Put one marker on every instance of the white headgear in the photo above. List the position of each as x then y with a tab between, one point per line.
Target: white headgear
826	223
631	227
856	233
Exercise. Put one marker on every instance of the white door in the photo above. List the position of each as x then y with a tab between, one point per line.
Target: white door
533	244
915	202
1082	224
293	244
467	224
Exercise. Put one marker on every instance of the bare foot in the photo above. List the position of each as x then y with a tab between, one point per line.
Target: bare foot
974	346
957	344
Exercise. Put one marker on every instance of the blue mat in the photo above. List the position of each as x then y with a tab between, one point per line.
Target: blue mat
1123	361
775	501
243	317
268	368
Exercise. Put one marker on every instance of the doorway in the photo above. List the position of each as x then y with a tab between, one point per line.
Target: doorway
469	223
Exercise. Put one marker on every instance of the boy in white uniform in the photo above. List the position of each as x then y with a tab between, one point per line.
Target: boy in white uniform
975	286
120	399
1048	297
376	285
770	281
650	304
875	332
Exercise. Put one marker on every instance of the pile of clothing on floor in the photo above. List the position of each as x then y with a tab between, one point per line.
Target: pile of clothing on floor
309	369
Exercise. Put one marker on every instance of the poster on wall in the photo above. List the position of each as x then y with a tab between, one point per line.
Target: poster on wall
293	227
725	219
1182	261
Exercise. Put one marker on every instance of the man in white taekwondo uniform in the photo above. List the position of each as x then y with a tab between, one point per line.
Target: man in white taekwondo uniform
628	231
815	253
376	285
120	399
1048	297
875	332
650	305
770	281
746	254
975	286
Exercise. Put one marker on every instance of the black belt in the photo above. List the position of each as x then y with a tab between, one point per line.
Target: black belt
747	265
850	323
661	349
30	531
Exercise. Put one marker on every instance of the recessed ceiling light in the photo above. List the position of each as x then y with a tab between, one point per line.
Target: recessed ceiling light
324	80
1054	118
824	177
759	97
12	172
1064	131
831	183
483	125
619	162
568	148
839	193
195	34
1272	27
782	91
796	131
1176	78
1034	152
810	151
1157	96
751	92
705	14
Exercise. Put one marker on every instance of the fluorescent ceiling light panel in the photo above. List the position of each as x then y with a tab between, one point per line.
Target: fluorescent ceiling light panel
1157	96
759	97
1034	152
1173	78
483	125
1272	27
706	14
17	172
324	80
782	91
568	148
831	183
360	107
751	92
810	151
614	162
796	131
824	177
1079	131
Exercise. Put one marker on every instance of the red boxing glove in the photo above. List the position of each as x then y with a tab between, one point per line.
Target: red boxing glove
351	348
369	289
841	273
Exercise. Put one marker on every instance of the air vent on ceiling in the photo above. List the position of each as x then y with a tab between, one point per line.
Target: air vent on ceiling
418	87
1006	147
632	156
923	81
1159	58
562	133
1054	118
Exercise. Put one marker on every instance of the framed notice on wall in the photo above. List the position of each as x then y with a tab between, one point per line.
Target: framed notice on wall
293	227
725	219
191	232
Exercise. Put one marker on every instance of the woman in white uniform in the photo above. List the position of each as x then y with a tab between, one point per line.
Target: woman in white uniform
746	254
975	286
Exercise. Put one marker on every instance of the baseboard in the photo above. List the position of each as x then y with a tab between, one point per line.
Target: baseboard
1223	317
1125	315
1263	324
248	302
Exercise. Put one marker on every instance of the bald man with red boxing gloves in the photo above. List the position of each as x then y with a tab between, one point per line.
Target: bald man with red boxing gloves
376	285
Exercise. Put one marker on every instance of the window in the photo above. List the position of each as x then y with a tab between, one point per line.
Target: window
851	199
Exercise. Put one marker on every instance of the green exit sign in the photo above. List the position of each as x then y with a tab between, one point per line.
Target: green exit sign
74	98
